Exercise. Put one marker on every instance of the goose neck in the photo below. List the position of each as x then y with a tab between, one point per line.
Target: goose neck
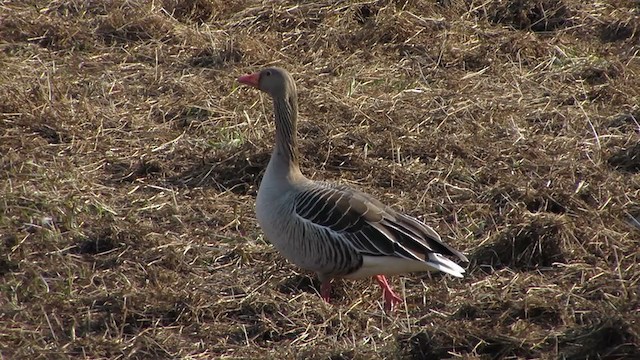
286	149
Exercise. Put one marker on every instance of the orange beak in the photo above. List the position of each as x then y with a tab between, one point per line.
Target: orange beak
251	79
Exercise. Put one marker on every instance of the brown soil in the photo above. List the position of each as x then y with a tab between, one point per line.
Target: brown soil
131	158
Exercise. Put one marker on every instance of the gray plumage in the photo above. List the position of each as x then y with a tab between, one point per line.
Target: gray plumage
334	230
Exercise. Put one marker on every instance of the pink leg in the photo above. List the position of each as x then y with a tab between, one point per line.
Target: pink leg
325	290
390	298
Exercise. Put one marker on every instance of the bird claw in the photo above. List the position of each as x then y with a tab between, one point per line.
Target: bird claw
391	299
325	291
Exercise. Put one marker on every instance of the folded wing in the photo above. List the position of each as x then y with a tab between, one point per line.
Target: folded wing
369	226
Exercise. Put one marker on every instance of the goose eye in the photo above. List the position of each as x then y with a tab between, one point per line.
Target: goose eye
268	73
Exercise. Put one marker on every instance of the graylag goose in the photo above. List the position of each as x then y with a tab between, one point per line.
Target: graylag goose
333	230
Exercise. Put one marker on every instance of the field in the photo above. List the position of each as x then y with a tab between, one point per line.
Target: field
130	159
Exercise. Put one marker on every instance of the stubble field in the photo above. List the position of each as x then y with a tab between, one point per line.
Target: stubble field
130	161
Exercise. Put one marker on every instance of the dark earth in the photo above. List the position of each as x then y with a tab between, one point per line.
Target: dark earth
130	160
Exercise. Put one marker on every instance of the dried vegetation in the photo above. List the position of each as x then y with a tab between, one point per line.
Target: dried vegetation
130	161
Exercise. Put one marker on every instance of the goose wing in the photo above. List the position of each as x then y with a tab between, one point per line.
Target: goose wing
368	225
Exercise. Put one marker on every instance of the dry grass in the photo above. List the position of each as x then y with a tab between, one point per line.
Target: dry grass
130	161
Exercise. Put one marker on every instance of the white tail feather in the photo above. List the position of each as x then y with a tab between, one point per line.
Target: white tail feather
445	265
391	265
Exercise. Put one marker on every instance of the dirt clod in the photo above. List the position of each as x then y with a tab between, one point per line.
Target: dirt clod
616	31
524	247
534	15
627	159
607	338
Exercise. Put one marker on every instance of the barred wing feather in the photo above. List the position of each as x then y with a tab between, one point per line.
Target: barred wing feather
367	225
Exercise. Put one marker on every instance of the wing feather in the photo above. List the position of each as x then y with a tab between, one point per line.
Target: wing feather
367	225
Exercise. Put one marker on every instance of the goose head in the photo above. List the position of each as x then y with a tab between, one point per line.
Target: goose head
276	82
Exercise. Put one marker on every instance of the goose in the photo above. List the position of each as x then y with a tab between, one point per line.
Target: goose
331	229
